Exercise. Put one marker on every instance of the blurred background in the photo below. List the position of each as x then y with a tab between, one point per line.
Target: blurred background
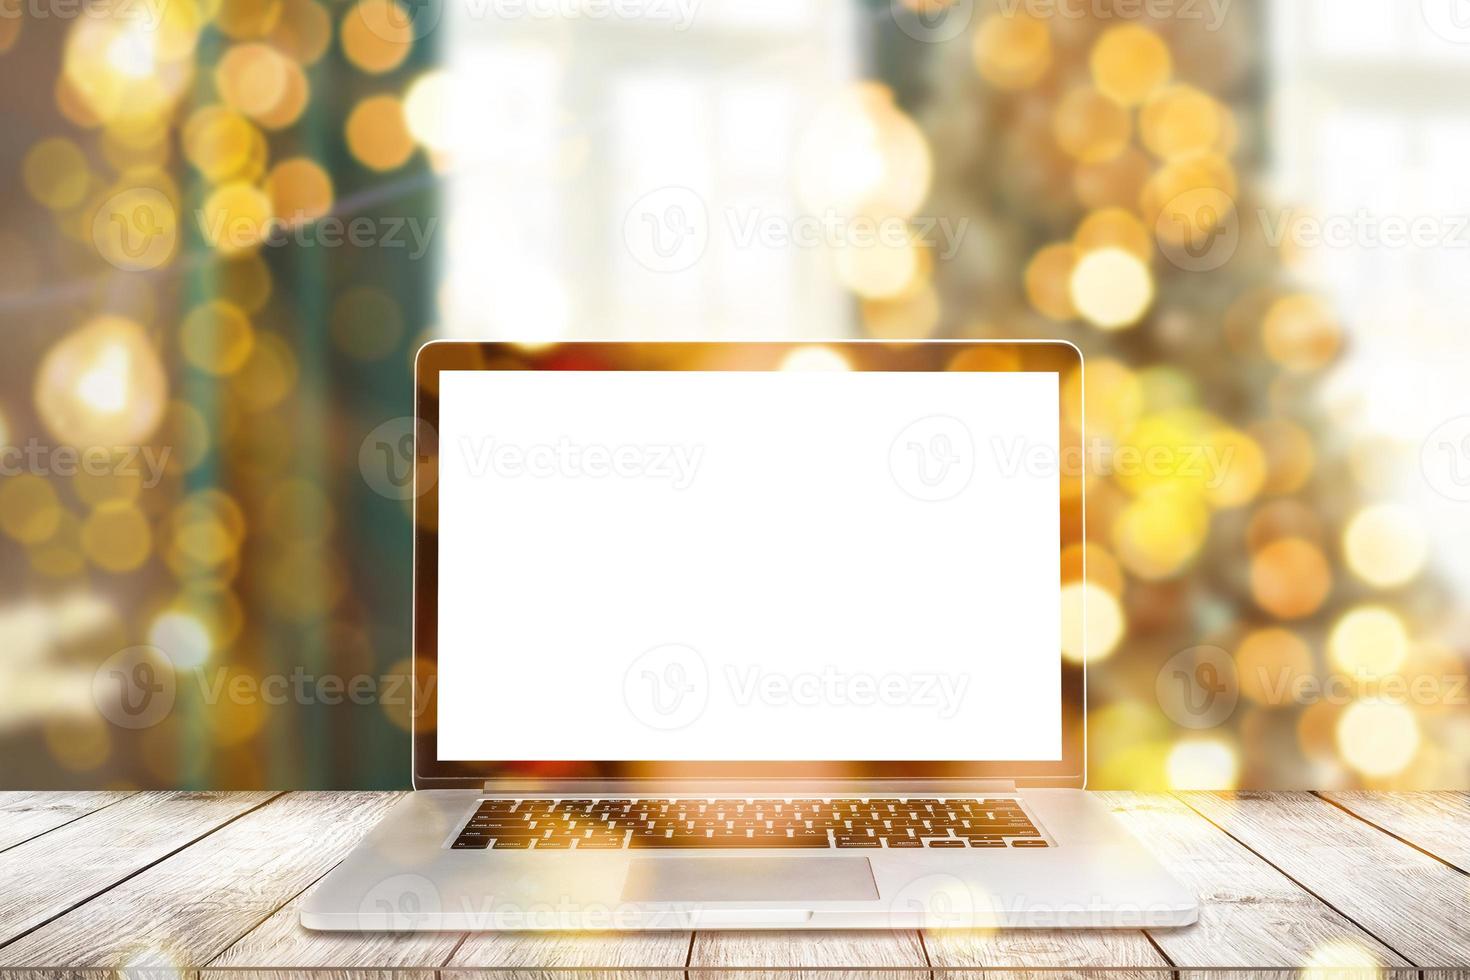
228	224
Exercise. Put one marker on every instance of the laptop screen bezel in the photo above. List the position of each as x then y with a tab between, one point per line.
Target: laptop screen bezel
430	772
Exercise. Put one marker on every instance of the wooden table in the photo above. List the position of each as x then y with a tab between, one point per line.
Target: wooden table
210	882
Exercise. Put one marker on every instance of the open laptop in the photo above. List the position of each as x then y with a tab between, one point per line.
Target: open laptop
745	635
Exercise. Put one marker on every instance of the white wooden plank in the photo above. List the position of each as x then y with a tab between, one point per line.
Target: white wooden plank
1251	915
184	910
27	815
554	955
1044	954
47	875
1407	900
281	943
830	955
1435	822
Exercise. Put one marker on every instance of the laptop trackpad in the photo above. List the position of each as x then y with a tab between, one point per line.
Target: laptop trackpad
749	879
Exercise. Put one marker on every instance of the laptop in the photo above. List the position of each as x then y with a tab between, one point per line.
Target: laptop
747	636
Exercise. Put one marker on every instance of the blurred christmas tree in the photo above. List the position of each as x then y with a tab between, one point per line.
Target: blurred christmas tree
1247	616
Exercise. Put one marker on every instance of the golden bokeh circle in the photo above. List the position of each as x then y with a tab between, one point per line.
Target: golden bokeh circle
236	217
376	35
1301	333
300	190
1013	50
1290	578
1114	228
1111	288
117	537
1269	662
1386	545
377	133
1048	281
1368	641
1091	127
1129	63
216	337
56	174
30	511
1179	121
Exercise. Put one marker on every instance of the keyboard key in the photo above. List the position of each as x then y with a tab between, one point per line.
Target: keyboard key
597	824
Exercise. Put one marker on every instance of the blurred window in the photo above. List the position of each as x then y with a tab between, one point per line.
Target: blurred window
614	160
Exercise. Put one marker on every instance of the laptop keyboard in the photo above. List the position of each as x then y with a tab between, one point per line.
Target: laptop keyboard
602	825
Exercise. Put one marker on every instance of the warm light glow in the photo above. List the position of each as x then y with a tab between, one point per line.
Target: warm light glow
1377	738
1203	764
1092	622
182	637
104	386
1386	545
425	106
1369	641
1111	288
814	358
862	155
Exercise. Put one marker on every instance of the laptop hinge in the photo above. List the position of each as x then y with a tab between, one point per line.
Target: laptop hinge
749	787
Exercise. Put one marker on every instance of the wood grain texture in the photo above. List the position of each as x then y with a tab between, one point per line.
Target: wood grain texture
186	909
1411	902
1251	915
595	956
27	815
280	942
225	907
1045	953
829	955
1435	822
47	875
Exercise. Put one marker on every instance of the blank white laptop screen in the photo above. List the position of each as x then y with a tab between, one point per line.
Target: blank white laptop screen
763	566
